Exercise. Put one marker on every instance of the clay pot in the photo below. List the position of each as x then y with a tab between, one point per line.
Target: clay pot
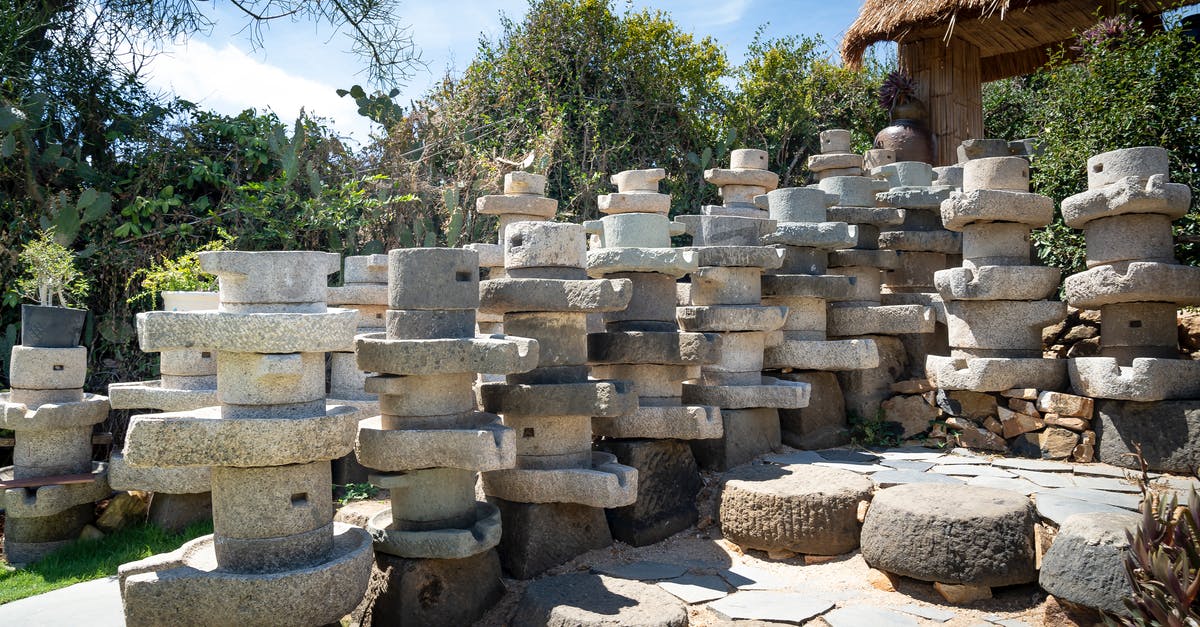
911	140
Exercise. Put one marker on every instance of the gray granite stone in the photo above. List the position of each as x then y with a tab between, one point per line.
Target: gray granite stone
890	478
928	613
642	571
1057	509
692	589
789	607
860	615
584	600
1048	479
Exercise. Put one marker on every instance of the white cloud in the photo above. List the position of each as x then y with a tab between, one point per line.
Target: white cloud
228	80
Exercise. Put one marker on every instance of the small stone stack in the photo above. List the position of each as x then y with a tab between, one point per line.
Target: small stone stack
725	298
363	289
923	247
275	553
835	158
429	444
524	200
746	178
995	303
642	344
553	501
1135	281
189	381
862	313
803	353
52	419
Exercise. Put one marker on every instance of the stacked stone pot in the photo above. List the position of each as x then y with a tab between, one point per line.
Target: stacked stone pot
553	501
923	247
429	443
836	159
189	381
746	178
1136	283
642	344
524	200
995	302
275	555
725	298
52	419
803	353
862	313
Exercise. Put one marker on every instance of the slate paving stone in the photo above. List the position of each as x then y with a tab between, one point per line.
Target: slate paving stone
1108	484
907	464
947	460
794	457
863	615
1102	470
972	470
862	469
1005	622
1048	479
745	577
888	478
1018	485
1116	499
642	571
847	455
693	589
918	453
934	614
784	607
1039	465
1057	509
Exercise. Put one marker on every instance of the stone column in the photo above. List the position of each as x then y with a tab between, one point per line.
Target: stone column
189	381
642	344
725	298
553	501
275	555
803	352
836	159
429	443
862	313
1151	389
52	420
995	303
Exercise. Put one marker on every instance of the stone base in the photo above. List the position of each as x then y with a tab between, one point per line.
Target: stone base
1145	380
1168	431
152	395
176	512
540	536
823	423
27	540
185	587
748	434
668	482
995	374
433	593
681	422
864	390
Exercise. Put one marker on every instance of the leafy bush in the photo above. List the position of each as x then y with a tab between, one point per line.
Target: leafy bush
181	274
50	272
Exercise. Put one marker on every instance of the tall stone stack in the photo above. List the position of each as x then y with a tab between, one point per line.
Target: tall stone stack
524	200
923	246
996	303
725	298
863	314
1135	281
553	501
746	178
835	158
52	420
363	289
429	444
642	344
804	353
275	553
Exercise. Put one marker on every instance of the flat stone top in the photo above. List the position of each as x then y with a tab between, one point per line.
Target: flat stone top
1128	195
1108	167
993	205
751	177
483	353
324	332
524	183
936	500
738	256
272	263
795	481
638	180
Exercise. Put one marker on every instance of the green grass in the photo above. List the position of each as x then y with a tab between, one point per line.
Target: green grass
92	559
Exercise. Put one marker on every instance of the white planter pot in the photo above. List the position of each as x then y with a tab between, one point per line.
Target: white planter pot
190	301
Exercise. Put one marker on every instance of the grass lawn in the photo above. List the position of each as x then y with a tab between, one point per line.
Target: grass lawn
92	559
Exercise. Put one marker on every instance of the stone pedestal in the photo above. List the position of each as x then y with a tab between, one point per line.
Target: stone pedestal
802	351
52	420
995	307
547	296
433	592
275	555
836	159
746	178
189	381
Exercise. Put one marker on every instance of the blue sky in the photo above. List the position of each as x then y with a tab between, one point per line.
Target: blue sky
300	64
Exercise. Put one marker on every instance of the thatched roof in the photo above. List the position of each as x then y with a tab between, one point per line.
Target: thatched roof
1012	35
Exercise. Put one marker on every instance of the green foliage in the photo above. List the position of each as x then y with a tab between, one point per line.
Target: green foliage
181	274
378	107
874	431
50	272
1128	88
356	492
1163	563
92	559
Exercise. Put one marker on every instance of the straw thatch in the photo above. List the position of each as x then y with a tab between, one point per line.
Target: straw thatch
1012	35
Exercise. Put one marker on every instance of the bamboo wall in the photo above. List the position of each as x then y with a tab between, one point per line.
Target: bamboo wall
949	80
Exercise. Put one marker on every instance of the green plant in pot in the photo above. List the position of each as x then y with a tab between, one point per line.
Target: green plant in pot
50	275
909	133
180	281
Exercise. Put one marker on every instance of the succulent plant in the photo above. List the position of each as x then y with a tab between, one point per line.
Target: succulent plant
1163	563
897	88
1105	32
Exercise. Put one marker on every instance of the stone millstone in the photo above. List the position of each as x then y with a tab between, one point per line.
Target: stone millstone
580	600
430	592
540	536
668	482
809	509
1085	563
954	534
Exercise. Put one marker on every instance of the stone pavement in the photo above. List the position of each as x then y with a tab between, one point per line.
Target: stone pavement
96	603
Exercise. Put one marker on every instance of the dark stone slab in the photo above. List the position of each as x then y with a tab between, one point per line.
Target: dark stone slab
430	592
748	434
540	536
823	423
1169	432
175	512
668	482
